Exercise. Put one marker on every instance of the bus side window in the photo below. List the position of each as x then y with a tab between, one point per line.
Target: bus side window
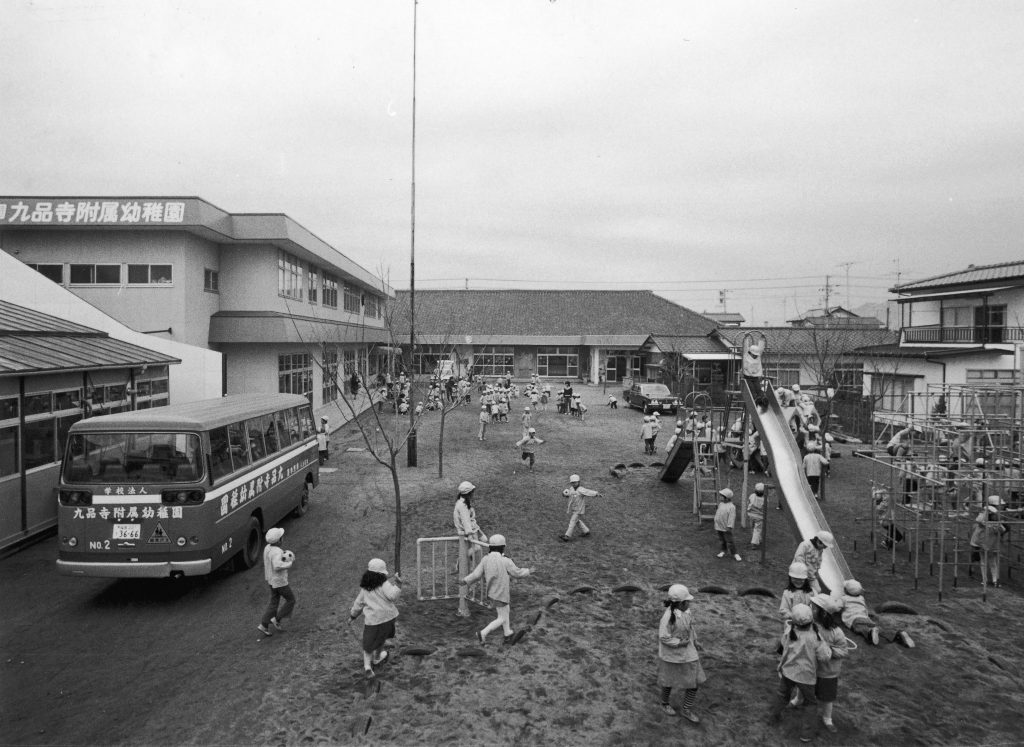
270	433
220	453
257	445
290	431
239	445
306	421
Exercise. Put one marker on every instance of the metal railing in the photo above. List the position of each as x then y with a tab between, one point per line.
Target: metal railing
441	563
963	335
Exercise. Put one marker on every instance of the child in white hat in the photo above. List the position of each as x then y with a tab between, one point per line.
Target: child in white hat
485	418
826	689
856	617
464	517
527	421
577	507
275	572
809	553
376	603
798	591
725	520
985	540
496	570
755	512
647	434
678	660
528	444
802	649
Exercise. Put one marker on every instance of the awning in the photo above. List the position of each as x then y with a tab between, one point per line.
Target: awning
975	293
710	356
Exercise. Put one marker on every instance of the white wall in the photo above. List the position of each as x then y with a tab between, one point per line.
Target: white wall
197	377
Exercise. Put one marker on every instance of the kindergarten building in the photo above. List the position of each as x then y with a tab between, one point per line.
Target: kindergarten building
287	311
594	336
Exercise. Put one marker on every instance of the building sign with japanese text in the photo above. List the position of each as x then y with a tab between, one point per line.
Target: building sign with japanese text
72	212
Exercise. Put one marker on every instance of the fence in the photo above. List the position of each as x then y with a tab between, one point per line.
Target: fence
441	562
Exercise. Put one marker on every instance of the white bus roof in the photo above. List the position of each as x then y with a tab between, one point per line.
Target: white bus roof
193	416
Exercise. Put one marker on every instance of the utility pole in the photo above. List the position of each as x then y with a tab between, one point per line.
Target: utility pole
411	443
846	265
721	299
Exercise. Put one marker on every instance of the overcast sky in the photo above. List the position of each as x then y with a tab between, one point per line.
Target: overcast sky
685	147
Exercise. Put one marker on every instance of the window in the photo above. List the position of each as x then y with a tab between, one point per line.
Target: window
220	453
495	360
373	306
8	408
330	291
211	280
295	374
330	384
958	316
257	439
95	274
891	391
314	283
8	451
238	445
784	374
563	362
149	274
352	302
289	427
40	443
53	272
289	276
989	377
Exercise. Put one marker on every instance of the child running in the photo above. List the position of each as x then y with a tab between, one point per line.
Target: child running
577	507
529	444
802	649
376	603
826	689
678	661
496	570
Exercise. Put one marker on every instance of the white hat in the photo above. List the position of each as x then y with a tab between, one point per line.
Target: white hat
852	587
377	566
526	409
574	478
274	535
679	593
532	430
796	387
496	540
802	614
678	431
979	462
797	570
726	493
825	538
647	418
323	418
466	487
759	487
829	437
483	407
995	500
826	602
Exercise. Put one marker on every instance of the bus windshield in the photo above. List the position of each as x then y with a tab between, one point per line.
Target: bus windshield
154	458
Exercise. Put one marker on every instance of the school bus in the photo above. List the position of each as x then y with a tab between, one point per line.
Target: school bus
180	490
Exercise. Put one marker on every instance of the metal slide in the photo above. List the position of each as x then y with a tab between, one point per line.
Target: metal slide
804	512
678	460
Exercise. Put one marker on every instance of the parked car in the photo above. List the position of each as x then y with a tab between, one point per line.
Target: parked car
651	398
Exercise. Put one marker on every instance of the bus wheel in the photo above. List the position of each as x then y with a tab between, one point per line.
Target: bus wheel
303	506
250	552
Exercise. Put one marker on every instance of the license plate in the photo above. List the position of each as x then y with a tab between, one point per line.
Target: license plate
127	531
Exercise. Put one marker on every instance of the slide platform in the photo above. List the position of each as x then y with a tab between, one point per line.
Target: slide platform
805	514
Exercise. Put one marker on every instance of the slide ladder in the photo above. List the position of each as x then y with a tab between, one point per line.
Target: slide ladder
805	515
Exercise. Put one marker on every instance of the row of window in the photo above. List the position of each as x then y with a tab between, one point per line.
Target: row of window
105	274
314	285
238	445
49	415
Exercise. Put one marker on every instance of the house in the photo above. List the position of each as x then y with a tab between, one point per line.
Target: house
970	322
287	311
593	335
834	316
725	318
54	372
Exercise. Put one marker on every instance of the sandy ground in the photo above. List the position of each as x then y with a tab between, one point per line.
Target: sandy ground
585	670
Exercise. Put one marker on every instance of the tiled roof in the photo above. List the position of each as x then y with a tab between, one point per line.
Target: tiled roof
814	340
532	313
33	342
973	274
690	345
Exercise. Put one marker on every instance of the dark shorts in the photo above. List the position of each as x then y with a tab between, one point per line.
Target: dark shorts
826	689
374	636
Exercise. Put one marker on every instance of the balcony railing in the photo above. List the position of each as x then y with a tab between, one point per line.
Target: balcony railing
963	335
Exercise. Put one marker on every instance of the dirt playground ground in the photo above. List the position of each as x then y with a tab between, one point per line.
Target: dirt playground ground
585	671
